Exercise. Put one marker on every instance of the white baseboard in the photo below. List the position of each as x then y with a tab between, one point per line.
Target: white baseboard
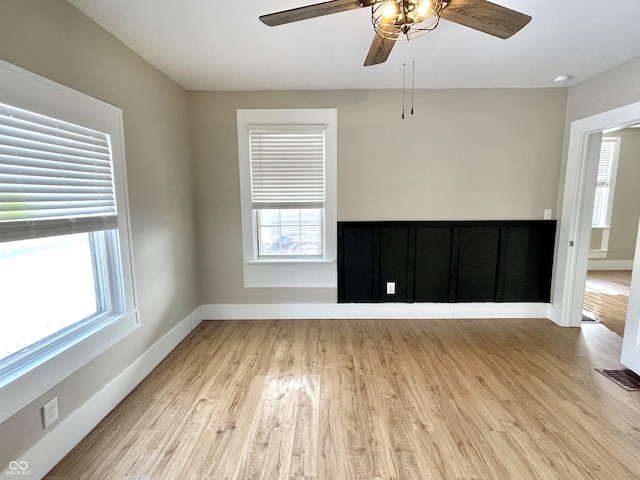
371	310
45	454
610	264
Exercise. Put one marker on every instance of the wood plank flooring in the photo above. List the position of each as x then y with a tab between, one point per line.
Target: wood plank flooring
606	297
373	399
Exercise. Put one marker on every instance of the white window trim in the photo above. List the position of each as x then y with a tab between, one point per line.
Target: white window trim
289	272
612	179
23	89
603	251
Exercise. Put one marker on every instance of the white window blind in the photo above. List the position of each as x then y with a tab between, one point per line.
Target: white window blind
606	162
56	178
287	166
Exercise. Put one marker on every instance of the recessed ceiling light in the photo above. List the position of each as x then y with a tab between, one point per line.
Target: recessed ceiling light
562	78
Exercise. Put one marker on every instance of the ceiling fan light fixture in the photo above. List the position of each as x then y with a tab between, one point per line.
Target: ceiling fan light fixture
424	10
405	19
390	10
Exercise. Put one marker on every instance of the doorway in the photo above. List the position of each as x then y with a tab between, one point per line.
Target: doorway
575	227
616	214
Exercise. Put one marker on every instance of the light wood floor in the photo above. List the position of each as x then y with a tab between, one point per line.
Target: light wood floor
606	297
365	399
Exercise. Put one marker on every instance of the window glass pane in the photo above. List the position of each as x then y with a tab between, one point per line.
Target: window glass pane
311	216
290	217
269	240
290	240
311	244
298	233
46	285
269	217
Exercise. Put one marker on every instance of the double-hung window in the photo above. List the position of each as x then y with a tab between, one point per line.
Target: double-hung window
288	189
66	277
288	183
605	183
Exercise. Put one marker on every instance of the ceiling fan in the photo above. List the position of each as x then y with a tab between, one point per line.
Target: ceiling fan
406	19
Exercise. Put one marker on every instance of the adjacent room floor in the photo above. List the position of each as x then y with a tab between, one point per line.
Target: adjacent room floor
374	399
606	297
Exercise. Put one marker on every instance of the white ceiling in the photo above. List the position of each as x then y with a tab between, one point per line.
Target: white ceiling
221	45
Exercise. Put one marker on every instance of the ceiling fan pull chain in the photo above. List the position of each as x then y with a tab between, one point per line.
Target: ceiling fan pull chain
404	76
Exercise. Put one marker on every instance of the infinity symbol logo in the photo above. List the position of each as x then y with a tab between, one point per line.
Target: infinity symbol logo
18	465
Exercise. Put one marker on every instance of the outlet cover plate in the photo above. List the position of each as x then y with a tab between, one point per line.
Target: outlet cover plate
50	412
391	288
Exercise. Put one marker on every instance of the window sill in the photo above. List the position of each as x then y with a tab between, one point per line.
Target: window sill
23	387
290	273
283	260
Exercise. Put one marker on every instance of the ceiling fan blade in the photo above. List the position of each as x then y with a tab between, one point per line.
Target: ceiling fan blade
380	49
486	17
312	11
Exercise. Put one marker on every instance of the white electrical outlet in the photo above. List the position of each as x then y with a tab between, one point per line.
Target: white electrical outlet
50	412
547	214
391	288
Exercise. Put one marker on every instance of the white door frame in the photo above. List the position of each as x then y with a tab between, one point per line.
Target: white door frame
631	338
577	209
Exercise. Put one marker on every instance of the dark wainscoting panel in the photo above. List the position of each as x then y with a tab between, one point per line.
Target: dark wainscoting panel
477	263
525	263
466	261
359	257
432	264
394	263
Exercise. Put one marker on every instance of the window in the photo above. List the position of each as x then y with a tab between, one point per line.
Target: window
288	187
605	183
291	232
66	277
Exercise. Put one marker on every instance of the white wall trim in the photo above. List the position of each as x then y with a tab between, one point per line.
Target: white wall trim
371	310
303	274
45	454
611	264
31	378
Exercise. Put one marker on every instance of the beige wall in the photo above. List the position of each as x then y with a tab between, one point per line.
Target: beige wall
52	39
626	201
465	154
616	87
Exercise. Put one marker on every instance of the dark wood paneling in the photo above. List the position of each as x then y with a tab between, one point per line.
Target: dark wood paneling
432	264
473	261
394	249
526	256
477	264
358	265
